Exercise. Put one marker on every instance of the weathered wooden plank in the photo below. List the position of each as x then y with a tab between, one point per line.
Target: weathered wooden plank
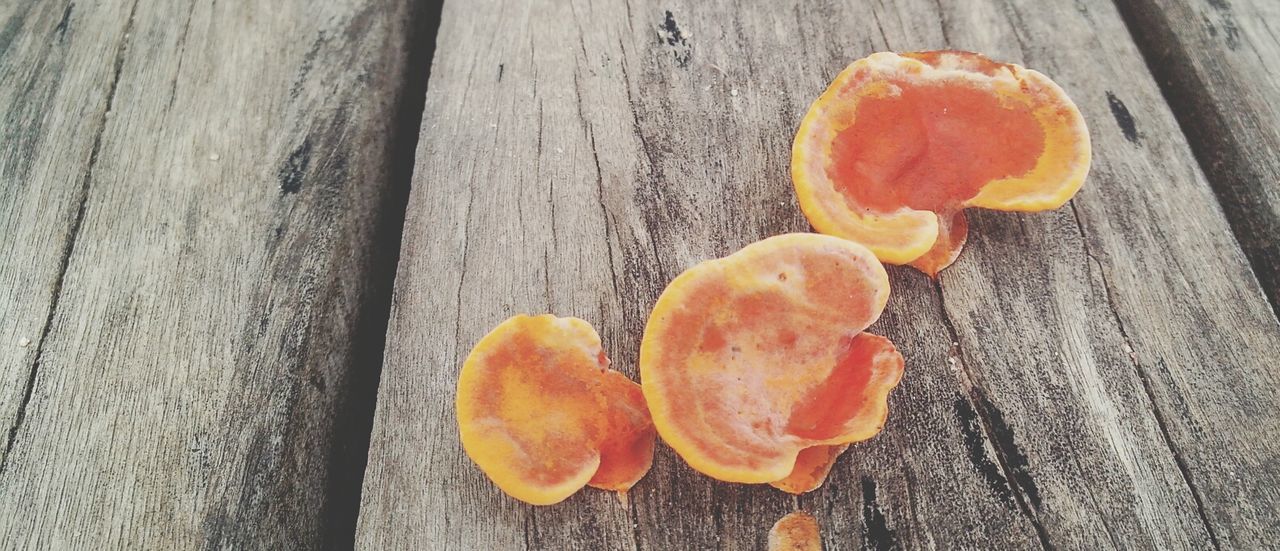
1218	63
191	195
56	84
1194	326
1079	379
1154	331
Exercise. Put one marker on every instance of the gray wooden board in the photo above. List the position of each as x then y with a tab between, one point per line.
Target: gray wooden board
1097	376
1218	62
56	84
189	193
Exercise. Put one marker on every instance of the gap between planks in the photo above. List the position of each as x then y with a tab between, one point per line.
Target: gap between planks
356	418
1218	107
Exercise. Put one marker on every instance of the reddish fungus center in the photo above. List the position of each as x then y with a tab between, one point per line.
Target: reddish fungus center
827	407
932	146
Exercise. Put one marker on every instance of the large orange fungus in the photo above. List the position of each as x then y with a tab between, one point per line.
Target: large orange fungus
756	368
900	144
542	415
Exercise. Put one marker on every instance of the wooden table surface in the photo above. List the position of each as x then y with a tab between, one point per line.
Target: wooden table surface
248	244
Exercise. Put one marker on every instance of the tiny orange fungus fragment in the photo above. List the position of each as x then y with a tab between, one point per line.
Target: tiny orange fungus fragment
756	368
900	144
797	531
541	413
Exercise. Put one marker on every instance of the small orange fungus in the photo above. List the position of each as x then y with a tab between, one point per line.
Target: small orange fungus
756	368
541	413
900	144
797	531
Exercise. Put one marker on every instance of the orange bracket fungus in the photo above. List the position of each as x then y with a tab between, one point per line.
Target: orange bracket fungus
756	368
900	144
542	415
797	531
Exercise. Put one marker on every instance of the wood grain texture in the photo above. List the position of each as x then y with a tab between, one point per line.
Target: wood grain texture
1218	63
1092	377
57	82
193	190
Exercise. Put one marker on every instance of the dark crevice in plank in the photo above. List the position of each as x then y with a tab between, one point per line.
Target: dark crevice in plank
943	24
181	47
1011	460
1144	378
61	29
604	211
64	258
635	527
462	277
349	456
876	533
1221	152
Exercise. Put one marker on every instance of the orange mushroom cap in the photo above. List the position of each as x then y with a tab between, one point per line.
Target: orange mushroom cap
541	413
797	531
750	359
899	144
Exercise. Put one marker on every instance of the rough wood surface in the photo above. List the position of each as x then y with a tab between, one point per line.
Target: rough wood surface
1218	63
56	86
1097	376
191	195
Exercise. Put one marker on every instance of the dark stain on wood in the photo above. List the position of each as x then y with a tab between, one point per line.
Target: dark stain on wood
875	530
1230	28
974	442
674	38
294	167
308	62
1015	460
1123	118
61	29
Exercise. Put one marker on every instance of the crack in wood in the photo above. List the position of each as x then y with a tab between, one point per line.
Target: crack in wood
530	527
975	440
180	47
462	273
1093	498
980	405
875	529
68	247
884	38
1144	377
607	218
61	29
942	23
648	213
